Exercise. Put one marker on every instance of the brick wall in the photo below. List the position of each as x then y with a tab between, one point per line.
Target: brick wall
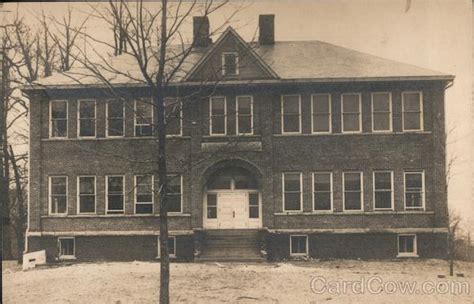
305	153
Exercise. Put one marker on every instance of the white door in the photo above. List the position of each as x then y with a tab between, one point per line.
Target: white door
232	210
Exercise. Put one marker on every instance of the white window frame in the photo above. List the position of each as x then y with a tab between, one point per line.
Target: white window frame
210	116
79	118
307	245
151	124
181	193
159	248
390	108
236	63
361	173
301	191
331	189
135	195
180	103
78	194
67	257
282	114
421	112
413	254
50	203
423	206
330	115
51	118
107	194
391	190
237	114
107	119
360	113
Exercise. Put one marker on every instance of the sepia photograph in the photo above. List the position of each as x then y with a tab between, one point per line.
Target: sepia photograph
237	151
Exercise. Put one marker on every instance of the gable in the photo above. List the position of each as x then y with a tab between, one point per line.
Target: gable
250	65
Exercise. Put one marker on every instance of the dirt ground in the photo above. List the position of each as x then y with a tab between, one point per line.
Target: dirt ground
340	281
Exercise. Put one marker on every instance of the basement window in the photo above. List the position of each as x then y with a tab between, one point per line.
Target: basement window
171	247
230	64
298	245
66	248
407	245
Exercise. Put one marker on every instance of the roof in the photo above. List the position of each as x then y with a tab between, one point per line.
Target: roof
289	60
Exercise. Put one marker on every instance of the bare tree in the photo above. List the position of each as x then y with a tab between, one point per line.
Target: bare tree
151	38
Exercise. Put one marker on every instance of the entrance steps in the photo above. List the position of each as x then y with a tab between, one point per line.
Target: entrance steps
233	245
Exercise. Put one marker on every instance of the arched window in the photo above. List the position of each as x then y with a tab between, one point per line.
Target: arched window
232	178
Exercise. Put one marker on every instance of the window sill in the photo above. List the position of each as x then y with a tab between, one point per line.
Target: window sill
115	215
387	212
112	138
404	255
66	258
171	257
350	133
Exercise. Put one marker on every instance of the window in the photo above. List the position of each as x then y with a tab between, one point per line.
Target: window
86	118
66	248
171	247
321	113
143	118
298	245
230	64
173	113
322	191
414	190
412	104
290	114
58	114
381	112
244	113
383	190
407	245
86	194
115	118
351	117
218	116
352	191
174	193
292	199
143	194
254	210
115	195
212	206
58	194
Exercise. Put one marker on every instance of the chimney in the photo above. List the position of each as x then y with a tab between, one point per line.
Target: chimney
201	31
266	23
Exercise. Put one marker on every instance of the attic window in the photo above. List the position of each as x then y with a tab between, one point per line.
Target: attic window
230	63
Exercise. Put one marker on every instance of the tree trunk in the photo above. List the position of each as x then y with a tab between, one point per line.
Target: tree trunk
20	219
4	169
158	100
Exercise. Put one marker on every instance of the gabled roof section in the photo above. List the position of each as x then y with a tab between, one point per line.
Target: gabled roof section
246	47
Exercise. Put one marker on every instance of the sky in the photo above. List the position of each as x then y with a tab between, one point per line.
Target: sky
434	34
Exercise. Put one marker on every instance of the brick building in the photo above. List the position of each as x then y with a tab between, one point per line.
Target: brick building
299	148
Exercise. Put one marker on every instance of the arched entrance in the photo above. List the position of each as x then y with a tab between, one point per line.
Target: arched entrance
232	199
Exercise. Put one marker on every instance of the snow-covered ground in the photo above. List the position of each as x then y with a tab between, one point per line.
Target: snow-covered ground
297	282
